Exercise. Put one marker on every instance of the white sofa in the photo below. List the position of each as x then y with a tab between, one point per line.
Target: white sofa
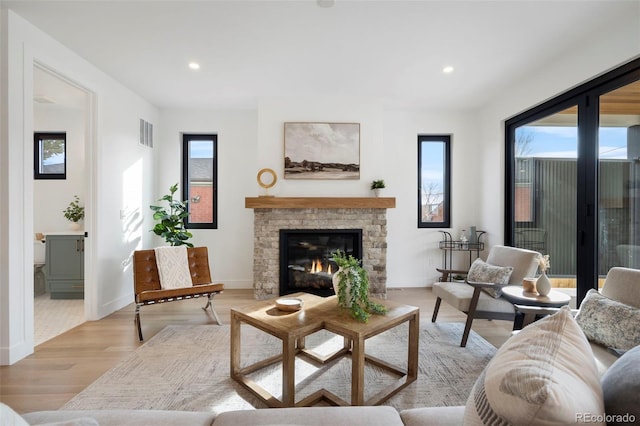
573	364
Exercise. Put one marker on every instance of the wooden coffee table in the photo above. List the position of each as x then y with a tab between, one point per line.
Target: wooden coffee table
320	313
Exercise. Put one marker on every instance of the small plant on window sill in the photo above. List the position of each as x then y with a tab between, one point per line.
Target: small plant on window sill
170	224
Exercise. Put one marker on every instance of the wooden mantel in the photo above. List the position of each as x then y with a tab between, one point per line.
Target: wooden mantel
320	202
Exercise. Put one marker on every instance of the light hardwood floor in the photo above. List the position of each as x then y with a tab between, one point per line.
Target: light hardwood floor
62	367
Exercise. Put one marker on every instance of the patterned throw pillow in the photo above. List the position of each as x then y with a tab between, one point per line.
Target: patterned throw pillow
545	374
483	272
610	323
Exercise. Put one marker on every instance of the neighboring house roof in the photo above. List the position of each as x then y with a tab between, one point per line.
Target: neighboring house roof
201	169
53	168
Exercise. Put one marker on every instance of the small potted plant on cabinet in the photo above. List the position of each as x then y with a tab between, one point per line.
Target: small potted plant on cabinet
351	284
74	213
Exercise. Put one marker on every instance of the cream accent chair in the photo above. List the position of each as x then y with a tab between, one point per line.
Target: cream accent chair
469	298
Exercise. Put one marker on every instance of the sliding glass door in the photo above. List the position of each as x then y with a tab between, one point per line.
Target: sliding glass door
545	188
619	179
573	179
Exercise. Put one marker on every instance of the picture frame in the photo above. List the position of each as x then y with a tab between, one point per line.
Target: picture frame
319	150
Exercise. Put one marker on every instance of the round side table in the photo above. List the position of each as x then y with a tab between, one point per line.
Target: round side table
516	295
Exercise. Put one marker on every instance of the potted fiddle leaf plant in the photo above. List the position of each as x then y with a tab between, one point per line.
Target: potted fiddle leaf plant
170	219
351	285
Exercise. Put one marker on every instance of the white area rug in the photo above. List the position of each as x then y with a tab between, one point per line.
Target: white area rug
187	368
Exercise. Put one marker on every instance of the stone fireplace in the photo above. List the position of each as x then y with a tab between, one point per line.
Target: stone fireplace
273	214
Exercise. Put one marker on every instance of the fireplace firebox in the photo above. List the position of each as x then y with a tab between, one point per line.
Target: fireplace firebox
305	258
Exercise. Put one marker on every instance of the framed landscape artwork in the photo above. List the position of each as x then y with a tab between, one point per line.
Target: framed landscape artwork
322	150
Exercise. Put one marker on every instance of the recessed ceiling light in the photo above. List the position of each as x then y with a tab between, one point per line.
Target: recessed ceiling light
448	69
194	65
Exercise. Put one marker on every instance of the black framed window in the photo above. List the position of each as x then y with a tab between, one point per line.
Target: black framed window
200	180
434	181
50	155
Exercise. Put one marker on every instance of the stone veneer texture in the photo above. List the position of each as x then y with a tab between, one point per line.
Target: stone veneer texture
266	244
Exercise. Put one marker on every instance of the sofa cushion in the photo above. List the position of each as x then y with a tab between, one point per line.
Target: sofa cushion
545	374
459	296
482	272
79	421
10	417
433	416
603	357
621	387
125	417
312	416
609	322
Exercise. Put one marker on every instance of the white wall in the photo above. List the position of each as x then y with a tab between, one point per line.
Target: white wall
249	141
231	245
118	179
413	252
52	196
388	150
274	112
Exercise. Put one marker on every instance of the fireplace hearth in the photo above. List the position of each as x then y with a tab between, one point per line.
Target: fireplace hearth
305	258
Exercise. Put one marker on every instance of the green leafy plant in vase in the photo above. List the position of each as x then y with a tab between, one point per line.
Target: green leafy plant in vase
170	224
74	212
351	284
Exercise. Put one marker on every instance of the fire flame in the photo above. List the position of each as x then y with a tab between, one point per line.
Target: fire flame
316	267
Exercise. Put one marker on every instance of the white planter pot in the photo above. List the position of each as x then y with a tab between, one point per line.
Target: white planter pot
543	285
335	280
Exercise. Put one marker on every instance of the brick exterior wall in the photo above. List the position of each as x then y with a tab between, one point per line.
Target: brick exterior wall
202	211
268	223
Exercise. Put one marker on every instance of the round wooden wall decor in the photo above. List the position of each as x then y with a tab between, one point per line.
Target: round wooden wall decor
267	183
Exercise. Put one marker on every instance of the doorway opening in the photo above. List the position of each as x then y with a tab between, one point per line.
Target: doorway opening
59	106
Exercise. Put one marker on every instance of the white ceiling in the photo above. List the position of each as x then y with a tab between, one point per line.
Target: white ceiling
392	50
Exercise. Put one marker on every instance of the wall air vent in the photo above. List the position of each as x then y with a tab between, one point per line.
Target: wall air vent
146	133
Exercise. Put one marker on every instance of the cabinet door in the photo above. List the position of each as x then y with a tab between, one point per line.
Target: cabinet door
65	257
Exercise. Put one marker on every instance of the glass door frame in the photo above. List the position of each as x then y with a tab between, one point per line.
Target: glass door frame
586	97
